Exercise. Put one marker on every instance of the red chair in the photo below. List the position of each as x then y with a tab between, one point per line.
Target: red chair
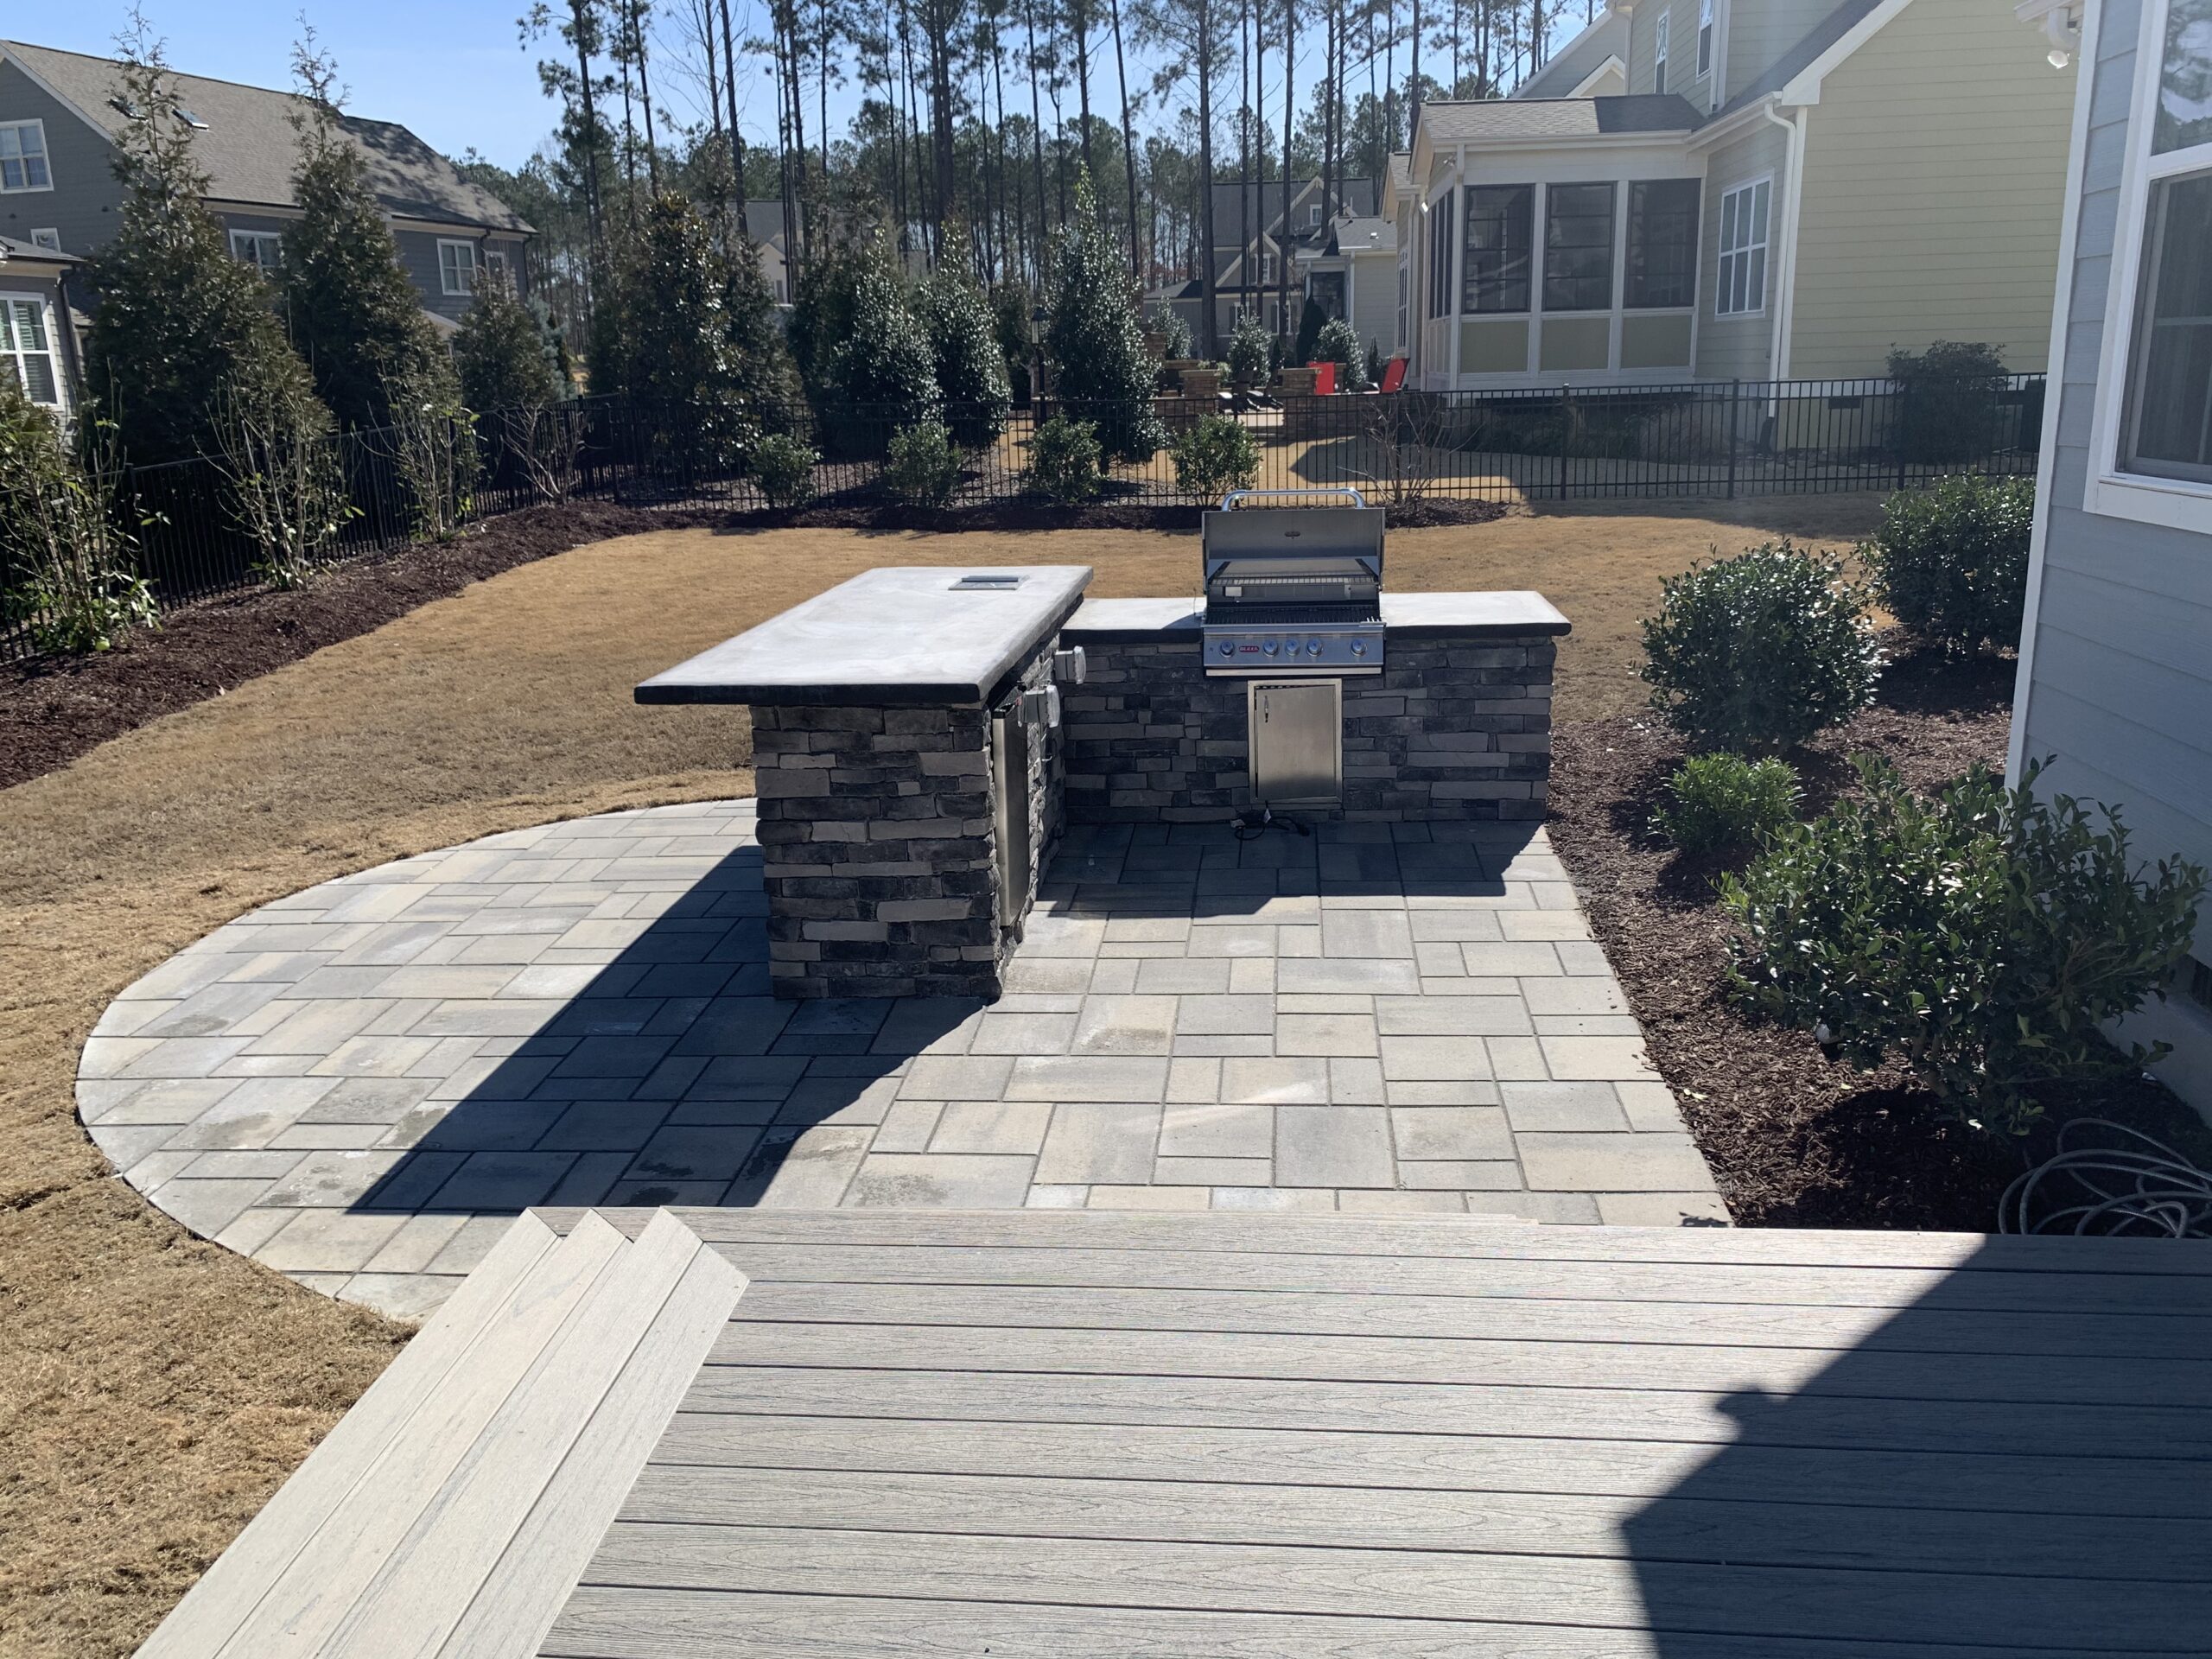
1325	379
1394	375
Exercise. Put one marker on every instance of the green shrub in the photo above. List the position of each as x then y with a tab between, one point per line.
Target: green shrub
1719	801
924	469
884	371
1946	400
1984	936
783	468
66	570
1214	456
1063	460
1761	650
1099	362
1169	324
1338	343
1248	353
1952	560
969	363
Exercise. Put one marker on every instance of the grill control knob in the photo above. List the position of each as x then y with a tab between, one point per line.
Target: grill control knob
1313	647
1267	645
1229	647
1359	647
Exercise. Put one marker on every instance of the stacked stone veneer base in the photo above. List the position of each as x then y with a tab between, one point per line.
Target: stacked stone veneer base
1458	725
880	848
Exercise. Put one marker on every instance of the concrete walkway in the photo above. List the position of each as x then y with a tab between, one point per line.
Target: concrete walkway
362	1083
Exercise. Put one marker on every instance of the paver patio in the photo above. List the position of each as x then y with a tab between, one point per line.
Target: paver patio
362	1083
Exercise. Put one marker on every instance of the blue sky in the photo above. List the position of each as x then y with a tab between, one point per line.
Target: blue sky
454	71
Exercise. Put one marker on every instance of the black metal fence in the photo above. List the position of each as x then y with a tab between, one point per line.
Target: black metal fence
1702	441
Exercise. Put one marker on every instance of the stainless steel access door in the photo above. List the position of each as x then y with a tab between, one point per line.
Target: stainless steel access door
1296	742
1010	812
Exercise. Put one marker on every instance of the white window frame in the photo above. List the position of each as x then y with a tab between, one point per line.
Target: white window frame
1722	254
45	236
465	289
245	248
53	353
2142	498
1660	45
45	155
1312	215
1704	38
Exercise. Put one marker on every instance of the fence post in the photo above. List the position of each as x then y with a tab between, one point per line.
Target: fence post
1735	396
1905	428
1566	431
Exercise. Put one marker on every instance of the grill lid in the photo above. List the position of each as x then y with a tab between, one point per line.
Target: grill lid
1289	555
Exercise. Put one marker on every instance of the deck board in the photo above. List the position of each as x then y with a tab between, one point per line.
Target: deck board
1145	1436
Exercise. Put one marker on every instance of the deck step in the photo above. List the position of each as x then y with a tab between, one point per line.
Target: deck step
484	1464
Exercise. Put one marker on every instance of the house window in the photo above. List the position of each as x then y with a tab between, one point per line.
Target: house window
1405	277
48	239
1439	257
1704	38
2166	429
26	348
457	268
1579	247
1659	52
1742	287
263	249
22	157
1500	220
1662	243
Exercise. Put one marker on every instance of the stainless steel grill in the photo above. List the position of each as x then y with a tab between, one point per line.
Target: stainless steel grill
1295	590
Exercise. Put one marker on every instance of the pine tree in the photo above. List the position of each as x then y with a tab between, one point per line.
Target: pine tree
502	353
354	316
684	378
1100	365
971	366
179	320
884	373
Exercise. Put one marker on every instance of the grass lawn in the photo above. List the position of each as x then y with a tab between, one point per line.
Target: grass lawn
156	1389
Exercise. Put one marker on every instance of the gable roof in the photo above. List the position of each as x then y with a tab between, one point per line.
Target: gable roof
1801	56
1363	235
250	146
1230	197
14	252
1579	59
1559	118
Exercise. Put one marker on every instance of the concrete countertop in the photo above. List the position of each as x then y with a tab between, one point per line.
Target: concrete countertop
905	634
1509	612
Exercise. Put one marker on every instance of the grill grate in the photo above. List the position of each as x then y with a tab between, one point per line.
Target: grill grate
1292	616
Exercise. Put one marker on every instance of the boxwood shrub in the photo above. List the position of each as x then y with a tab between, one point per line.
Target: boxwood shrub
783	467
1215	456
924	468
1719	801
1761	650
1952	560
1984	936
1063	460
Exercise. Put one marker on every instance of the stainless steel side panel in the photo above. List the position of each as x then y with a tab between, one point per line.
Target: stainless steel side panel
1296	742
1010	811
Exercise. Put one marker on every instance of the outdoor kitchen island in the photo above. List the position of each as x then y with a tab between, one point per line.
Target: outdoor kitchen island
922	735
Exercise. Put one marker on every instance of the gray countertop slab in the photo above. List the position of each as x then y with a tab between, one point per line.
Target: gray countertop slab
1507	613
903	634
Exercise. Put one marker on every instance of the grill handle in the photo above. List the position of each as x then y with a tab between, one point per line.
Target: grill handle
1339	491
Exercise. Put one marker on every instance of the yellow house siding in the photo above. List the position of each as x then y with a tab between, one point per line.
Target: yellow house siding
1934	167
1730	348
1760	31
1681	50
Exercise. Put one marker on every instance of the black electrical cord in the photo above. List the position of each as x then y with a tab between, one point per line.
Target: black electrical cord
1255	821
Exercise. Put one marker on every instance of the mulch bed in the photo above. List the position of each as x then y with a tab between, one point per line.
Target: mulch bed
1108	514
1794	1139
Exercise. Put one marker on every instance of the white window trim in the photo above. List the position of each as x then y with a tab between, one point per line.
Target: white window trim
1661	44
46	154
54	347
241	241
2173	503
1720	255
1707	24
53	246
475	261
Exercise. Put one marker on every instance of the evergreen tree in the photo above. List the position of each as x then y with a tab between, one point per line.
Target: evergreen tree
501	352
684	376
821	318
884	371
770	382
1100	365
970	365
354	316
179	320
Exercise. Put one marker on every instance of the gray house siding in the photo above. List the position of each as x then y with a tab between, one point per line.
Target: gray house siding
2116	686
84	198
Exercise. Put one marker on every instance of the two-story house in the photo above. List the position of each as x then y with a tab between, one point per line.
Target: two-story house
1250	244
62	113
1781	189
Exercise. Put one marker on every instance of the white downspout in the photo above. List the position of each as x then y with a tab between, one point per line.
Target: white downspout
1785	276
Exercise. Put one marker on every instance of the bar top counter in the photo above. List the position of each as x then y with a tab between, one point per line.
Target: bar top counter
1516	613
906	635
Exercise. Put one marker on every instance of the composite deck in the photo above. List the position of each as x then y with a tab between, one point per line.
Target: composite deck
1070	1434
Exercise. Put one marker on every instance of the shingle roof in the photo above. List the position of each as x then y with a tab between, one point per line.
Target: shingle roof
1365	236
12	249
250	146
1606	37
1402	175
1559	118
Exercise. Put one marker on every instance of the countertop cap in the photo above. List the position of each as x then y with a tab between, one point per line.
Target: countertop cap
1504	613
902	634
